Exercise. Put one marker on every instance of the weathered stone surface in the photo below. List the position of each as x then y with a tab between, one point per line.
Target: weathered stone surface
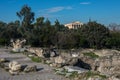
39	52
52	54
113	78
72	61
74	68
59	60
2	60
30	69
18	45
75	55
44	72
108	62
14	67
2	65
36	51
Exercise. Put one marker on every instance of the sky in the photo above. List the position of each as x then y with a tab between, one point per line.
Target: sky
66	11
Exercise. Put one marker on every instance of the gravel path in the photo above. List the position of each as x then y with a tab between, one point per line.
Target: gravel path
44	72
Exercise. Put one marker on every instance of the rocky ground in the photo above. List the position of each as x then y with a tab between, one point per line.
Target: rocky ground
90	64
44	72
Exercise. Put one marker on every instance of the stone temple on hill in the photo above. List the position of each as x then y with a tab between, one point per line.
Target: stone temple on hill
74	25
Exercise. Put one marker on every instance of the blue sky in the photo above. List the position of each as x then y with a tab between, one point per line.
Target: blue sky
103	11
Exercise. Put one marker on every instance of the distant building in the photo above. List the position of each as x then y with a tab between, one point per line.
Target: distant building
74	25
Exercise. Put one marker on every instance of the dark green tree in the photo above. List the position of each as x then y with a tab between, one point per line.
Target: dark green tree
39	22
26	15
57	24
47	23
3	26
114	40
95	33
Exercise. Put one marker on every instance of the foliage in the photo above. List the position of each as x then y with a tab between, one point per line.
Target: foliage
114	40
74	74
26	15
39	22
3	41
92	74
41	33
95	33
91	54
36	59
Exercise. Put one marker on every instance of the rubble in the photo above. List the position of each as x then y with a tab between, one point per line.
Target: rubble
30	68
18	45
14	67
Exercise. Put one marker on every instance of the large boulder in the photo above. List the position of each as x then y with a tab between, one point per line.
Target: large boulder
36	51
14	67
18	45
39	52
59	60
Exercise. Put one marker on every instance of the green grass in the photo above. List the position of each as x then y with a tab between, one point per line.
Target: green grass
92	74
91	54
36	59
74	74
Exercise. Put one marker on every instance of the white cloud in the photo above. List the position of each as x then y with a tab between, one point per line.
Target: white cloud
55	9
48	12
68	7
85	3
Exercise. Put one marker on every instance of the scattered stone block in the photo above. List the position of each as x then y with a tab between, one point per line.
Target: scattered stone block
14	67
2	60
30	69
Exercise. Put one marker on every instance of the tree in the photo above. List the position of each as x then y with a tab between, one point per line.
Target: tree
47	36
95	33
59	27
114	40
3	26
47	23
26	15
39	21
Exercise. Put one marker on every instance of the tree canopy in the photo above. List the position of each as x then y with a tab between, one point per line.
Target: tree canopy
44	34
26	15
